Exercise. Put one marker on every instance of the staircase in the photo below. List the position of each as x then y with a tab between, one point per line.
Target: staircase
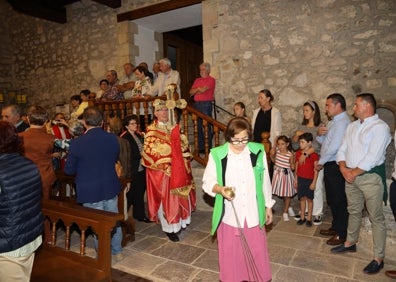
188	122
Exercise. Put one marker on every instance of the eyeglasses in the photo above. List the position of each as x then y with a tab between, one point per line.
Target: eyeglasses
239	141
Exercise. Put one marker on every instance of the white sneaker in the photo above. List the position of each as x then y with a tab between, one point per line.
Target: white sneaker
291	212
117	258
285	216
317	220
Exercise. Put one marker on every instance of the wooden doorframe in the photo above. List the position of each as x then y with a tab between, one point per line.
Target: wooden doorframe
188	58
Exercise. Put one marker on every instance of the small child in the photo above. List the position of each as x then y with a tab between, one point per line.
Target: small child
240	110
283	178
305	177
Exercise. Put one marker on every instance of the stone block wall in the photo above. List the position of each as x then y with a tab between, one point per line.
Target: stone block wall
51	62
300	50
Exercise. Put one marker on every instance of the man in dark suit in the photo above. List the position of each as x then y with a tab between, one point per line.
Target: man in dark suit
92	158
12	114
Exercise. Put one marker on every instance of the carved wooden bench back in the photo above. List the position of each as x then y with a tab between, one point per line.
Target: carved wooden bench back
55	262
65	191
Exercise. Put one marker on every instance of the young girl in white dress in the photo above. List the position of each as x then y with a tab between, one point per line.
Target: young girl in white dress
282	180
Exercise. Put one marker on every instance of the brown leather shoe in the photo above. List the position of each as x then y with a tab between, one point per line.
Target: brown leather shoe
335	240
391	273
328	232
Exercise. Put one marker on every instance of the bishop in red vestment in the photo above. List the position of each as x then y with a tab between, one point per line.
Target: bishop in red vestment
170	186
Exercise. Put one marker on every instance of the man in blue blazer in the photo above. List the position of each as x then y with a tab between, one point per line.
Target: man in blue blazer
92	158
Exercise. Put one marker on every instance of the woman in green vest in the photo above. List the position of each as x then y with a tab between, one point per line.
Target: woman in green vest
237	176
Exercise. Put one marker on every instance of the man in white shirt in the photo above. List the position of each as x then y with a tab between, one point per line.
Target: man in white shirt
361	159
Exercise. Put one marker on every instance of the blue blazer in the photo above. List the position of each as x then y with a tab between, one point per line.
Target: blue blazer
92	159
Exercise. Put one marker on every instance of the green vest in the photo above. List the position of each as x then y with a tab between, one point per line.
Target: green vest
380	170
219	155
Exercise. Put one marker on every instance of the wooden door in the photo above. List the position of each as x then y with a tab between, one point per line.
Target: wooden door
186	58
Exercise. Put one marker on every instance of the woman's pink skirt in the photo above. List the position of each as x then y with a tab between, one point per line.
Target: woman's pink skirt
235	263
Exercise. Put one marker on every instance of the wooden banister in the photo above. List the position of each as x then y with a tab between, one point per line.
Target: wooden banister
189	113
189	120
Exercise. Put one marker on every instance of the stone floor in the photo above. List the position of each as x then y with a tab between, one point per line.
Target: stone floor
297	253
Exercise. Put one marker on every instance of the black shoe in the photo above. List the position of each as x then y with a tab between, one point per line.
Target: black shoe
144	219
301	221
343	249
172	236
309	223
373	267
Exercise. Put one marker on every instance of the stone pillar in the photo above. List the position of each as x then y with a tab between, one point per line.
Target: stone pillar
126	48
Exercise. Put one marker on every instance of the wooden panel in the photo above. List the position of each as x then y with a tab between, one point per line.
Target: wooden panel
189	57
155	9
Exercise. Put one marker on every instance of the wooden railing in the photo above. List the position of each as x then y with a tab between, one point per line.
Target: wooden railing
188	121
192	115
123	108
54	262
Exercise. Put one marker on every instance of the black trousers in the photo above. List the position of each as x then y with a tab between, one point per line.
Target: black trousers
392	197
135	196
336	197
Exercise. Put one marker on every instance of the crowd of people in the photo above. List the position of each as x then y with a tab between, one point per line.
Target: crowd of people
143	157
343	158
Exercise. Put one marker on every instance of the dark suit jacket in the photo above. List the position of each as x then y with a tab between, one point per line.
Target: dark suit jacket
92	157
22	126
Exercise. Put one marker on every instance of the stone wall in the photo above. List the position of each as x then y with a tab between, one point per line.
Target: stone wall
300	50
6	58
51	62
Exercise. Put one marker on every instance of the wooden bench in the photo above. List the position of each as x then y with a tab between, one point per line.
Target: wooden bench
66	191
58	263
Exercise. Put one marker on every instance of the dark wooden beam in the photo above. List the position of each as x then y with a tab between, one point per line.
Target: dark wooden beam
38	11
110	3
155	9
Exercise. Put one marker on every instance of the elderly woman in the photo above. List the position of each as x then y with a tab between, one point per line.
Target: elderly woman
240	212
21	221
135	196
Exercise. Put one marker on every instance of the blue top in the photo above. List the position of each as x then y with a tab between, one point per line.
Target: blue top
331	142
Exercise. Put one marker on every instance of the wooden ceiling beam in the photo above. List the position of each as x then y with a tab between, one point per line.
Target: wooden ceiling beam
42	12
155	9
110	3
52	10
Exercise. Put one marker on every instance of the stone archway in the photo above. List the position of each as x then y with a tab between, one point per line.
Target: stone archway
387	111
